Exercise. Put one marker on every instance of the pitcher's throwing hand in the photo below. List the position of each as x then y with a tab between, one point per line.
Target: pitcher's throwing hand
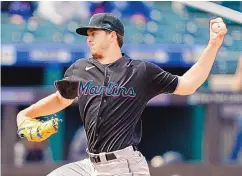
218	30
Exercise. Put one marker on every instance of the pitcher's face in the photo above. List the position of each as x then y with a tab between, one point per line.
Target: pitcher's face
98	42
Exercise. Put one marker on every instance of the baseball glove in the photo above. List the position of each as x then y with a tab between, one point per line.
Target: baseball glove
36	131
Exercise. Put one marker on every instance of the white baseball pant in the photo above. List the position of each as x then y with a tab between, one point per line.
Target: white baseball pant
128	163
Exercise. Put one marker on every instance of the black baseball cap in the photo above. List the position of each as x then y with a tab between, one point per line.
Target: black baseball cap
105	21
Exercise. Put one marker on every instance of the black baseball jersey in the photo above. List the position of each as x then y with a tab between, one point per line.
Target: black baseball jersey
112	98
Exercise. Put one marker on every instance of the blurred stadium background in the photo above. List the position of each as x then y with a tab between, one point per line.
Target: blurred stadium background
182	136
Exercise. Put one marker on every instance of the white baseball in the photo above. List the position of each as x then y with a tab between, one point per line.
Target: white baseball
218	27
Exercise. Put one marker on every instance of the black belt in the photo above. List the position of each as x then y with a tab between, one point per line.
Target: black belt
96	158
109	156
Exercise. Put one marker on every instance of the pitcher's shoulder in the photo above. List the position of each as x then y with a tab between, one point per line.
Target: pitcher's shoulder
81	61
78	65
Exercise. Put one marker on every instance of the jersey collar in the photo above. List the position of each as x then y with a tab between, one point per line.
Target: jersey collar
118	63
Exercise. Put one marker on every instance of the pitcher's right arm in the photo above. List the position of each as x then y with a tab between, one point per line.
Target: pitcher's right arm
46	106
67	91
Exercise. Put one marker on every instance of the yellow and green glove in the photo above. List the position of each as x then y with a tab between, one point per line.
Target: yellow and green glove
36	131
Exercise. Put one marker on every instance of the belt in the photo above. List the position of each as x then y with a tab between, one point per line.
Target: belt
109	156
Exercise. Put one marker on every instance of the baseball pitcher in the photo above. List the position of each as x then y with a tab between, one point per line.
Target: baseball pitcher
112	90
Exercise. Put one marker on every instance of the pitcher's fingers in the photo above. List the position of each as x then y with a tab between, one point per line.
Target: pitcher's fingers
222	33
211	22
215	20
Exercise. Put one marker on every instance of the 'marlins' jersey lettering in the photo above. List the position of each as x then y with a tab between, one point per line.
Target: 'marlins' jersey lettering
112	89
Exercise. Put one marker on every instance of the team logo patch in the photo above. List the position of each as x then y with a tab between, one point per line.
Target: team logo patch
107	26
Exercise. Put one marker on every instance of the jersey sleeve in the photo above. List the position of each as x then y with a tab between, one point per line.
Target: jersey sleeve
68	87
159	81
